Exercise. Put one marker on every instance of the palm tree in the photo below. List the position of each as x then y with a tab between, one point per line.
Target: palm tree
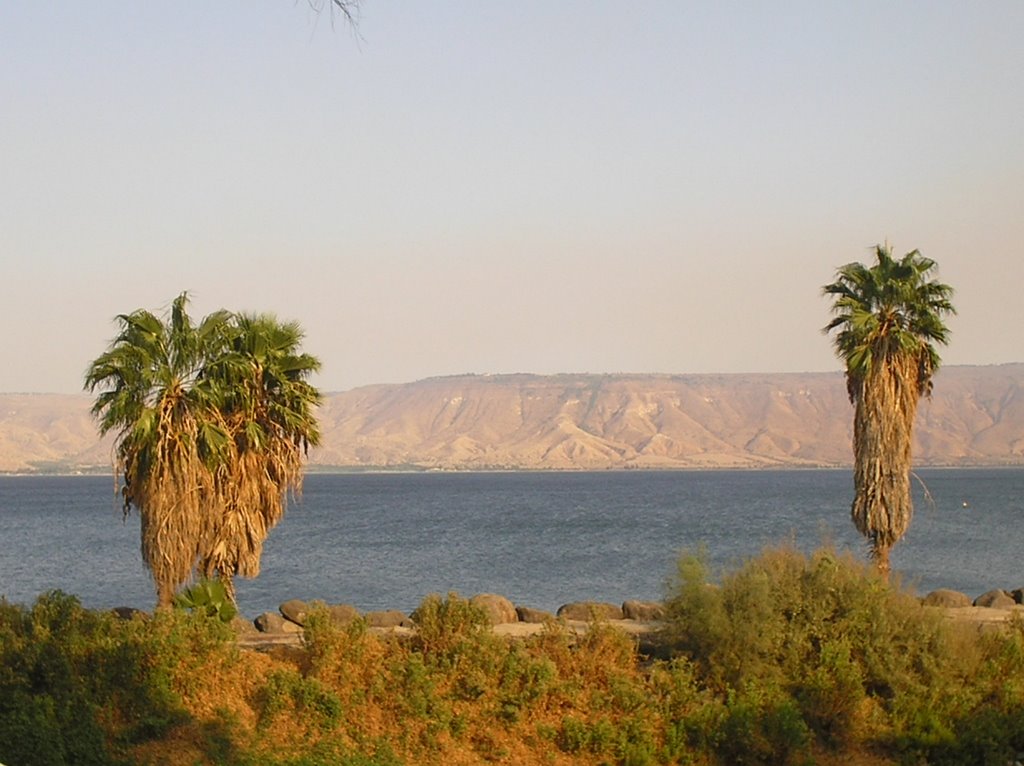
207	446
889	318
268	406
169	433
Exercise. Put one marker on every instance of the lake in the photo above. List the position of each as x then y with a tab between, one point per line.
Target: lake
542	539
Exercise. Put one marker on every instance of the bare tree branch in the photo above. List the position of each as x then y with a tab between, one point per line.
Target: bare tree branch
349	9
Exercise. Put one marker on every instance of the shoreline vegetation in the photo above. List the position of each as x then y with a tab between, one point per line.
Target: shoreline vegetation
791	658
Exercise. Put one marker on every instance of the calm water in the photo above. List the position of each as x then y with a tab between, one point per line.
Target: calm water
386	540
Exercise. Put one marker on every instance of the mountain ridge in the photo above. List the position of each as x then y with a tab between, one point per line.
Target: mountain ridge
574	421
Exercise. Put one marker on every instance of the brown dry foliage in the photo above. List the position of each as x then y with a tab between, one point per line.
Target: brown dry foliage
171	487
886	404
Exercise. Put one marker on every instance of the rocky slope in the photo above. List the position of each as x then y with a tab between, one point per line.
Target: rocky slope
976	417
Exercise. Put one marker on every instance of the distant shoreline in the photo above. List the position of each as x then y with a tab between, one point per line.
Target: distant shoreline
320	470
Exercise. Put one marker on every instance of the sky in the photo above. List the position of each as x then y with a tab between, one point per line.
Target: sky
474	186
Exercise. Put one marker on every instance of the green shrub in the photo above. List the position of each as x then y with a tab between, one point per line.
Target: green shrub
460	656
50	697
209	598
818	646
628	741
981	719
65	672
762	725
287	690
523	680
573	736
447	627
832	692
417	687
80	687
330	647
784	613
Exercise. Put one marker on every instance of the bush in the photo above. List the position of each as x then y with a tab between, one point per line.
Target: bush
80	687
790	657
445	627
820	647
305	698
52	687
762	726
334	653
209	598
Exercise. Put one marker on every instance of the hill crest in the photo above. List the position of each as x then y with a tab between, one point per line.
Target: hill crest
585	421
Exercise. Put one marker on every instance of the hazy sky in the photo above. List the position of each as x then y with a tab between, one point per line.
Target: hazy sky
480	186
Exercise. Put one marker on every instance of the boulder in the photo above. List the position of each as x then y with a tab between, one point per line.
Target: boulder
343	614
499	610
946	598
268	622
533	616
584	611
390	618
996	599
643	611
295	610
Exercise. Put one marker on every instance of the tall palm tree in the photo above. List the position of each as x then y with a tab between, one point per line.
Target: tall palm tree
169	432
888	319
206	445
269	408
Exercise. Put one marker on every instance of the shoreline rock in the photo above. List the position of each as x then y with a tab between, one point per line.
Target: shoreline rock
638	618
590	610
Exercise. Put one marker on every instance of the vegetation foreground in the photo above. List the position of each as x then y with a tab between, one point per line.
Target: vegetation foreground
792	659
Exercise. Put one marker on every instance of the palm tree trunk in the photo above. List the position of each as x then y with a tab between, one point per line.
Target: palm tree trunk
164	595
886	403
880	555
229	585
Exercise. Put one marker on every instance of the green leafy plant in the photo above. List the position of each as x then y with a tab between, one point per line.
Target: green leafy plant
208	597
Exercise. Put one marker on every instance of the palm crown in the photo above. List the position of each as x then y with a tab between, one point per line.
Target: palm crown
153	377
891	308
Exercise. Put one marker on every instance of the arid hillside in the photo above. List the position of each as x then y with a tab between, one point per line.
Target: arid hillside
976	417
